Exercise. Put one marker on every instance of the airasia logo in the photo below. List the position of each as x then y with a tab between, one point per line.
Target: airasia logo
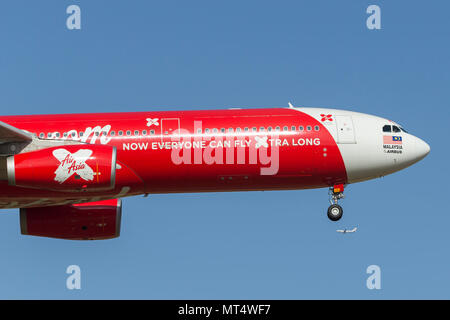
326	117
71	164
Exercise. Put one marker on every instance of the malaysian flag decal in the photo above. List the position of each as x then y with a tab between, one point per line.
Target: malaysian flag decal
392	140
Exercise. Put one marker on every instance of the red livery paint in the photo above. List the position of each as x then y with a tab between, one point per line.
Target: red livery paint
148	158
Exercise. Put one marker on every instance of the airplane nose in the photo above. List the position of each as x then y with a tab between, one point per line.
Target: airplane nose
421	149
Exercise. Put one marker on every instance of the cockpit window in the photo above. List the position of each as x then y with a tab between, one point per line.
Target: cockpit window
395	129
403	130
387	128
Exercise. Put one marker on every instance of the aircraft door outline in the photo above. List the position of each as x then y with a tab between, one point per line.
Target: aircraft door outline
345	130
169	126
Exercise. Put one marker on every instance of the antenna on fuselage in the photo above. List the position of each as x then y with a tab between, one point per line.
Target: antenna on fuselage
290	105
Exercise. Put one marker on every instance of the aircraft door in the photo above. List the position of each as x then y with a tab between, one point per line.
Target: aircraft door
169	126
345	129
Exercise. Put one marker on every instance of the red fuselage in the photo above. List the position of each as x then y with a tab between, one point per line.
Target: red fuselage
190	151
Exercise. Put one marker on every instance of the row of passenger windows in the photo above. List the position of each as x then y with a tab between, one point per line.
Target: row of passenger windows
261	129
389	128
199	131
104	133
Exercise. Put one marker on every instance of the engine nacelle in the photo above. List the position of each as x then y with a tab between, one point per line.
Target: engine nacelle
87	221
70	168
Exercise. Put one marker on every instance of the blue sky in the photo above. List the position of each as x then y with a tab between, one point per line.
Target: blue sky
176	55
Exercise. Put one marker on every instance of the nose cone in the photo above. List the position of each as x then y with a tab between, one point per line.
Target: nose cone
421	149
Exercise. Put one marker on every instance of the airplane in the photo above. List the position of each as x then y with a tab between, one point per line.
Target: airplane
67	173
343	231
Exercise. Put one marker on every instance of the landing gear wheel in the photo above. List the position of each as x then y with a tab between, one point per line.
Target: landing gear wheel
335	212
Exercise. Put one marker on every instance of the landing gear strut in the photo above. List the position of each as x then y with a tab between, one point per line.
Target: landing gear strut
335	211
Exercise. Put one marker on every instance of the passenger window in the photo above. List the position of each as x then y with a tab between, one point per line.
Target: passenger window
285	128
277	129
308	128
395	129
254	129
120	133
222	130
301	128
144	132
293	128
387	128
316	128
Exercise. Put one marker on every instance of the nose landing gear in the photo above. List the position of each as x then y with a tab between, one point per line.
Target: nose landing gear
335	211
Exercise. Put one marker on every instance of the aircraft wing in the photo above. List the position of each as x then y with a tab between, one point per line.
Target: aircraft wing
9	133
